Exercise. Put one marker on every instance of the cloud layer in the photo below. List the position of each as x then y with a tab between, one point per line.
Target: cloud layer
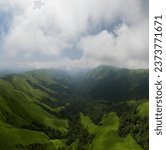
73	33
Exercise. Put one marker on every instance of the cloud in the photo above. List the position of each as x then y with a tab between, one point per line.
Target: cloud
75	33
126	47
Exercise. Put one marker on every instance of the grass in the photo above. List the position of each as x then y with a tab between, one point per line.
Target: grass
18	106
106	134
19	139
143	109
11	138
53	110
39	76
57	144
88	124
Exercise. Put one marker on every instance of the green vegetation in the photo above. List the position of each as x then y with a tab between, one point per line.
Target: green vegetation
105	108
13	138
106	134
114	84
135	123
143	109
19	112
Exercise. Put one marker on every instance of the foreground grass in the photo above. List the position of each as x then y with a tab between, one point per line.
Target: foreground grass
18	111
106	134
13	138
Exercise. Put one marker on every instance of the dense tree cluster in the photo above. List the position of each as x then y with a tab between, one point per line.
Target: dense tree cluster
137	126
76	133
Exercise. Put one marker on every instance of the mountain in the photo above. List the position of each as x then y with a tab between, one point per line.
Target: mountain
110	83
4	72
57	80
52	109
21	115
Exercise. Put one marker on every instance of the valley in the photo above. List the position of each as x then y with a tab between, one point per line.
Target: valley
105	108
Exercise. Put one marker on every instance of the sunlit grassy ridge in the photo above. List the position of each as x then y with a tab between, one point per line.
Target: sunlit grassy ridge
19	109
19	103
143	109
12	138
19	139
106	134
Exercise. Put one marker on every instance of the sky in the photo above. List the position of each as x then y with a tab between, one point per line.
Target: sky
74	33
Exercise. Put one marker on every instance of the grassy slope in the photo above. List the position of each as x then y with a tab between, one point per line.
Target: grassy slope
142	106
106	135
18	108
19	139
47	79
143	109
21	84
19	103
11	137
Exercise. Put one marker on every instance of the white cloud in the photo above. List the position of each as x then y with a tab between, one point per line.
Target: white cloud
40	35
126	47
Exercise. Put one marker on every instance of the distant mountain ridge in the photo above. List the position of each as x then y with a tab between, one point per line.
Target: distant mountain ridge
111	83
103	82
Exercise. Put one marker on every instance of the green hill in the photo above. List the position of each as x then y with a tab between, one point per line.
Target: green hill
19	109
110	83
50	109
106	135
